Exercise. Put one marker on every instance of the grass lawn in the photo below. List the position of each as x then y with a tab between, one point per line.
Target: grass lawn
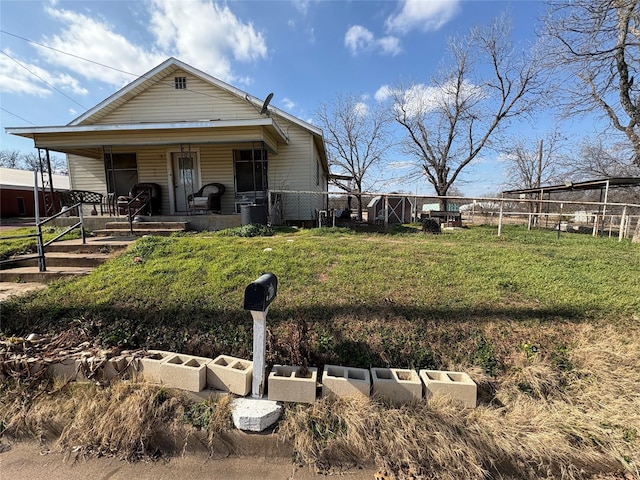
548	328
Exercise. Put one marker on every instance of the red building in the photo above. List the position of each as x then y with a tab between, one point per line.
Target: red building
16	192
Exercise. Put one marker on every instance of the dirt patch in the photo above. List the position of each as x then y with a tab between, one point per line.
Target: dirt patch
9	289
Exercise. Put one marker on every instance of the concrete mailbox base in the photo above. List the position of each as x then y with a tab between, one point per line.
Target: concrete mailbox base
255	415
397	386
345	381
457	385
184	372
230	374
287	385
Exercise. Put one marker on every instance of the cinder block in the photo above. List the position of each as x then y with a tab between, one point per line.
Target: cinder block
230	374
345	381
458	385
66	369
396	385
105	370
150	365
285	384
184	372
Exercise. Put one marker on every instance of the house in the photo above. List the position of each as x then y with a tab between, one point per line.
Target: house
182	129
16	192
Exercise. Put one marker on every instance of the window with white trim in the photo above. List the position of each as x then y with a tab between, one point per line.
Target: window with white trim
181	83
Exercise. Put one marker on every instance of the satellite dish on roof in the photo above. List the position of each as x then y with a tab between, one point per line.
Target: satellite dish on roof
266	104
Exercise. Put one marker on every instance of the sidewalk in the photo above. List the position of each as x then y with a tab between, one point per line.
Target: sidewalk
25	461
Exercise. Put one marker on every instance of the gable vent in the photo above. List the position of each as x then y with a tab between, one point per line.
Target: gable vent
181	83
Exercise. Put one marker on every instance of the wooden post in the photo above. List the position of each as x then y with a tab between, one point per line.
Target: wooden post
386	213
622	223
500	218
259	352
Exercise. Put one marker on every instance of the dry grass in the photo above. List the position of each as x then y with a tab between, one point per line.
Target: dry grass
583	423
130	420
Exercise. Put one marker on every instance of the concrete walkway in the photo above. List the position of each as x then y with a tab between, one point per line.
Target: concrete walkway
26	461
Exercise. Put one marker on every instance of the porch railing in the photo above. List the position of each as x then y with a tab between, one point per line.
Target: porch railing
142	207
41	244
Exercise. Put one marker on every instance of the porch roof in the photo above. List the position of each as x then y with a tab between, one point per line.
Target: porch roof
88	140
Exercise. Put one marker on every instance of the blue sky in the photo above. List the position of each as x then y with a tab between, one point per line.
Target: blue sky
305	51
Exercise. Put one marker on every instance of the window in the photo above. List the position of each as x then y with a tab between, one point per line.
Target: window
250	171
317	172
122	174
181	83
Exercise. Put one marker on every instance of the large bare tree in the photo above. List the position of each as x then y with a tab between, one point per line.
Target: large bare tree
357	139
595	45
484	84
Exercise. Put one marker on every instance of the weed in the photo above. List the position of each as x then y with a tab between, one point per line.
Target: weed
485	356
198	415
251	230
630	435
529	349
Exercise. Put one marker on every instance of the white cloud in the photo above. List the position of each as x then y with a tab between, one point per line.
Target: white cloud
360	109
206	34
93	39
420	99
425	15
383	93
17	76
360	39
301	5
288	104
200	32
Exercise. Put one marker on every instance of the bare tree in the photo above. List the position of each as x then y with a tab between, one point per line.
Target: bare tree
530	164
598	158
595	45
30	161
448	124
10	158
357	139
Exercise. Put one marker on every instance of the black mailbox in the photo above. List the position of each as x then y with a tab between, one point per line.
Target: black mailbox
259	294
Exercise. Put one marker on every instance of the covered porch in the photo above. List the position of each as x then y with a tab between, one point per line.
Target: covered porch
181	160
209	222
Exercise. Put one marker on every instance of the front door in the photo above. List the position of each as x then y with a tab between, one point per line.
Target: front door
185	178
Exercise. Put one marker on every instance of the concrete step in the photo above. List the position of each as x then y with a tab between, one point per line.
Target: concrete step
138	231
32	274
184	226
142	228
93	245
61	259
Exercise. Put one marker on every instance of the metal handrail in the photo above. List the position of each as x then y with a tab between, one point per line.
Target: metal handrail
141	208
42	264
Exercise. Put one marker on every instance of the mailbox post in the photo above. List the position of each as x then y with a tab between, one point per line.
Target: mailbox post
257	297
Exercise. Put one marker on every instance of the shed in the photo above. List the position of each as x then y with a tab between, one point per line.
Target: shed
399	209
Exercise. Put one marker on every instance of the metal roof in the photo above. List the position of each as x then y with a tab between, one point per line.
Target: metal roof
588	185
12	178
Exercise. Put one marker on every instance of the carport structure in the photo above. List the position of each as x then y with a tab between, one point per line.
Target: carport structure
604	185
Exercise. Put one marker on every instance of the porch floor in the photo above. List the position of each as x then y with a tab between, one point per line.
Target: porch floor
205	222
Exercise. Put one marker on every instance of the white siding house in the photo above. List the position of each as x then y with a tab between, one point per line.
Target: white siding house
181	129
